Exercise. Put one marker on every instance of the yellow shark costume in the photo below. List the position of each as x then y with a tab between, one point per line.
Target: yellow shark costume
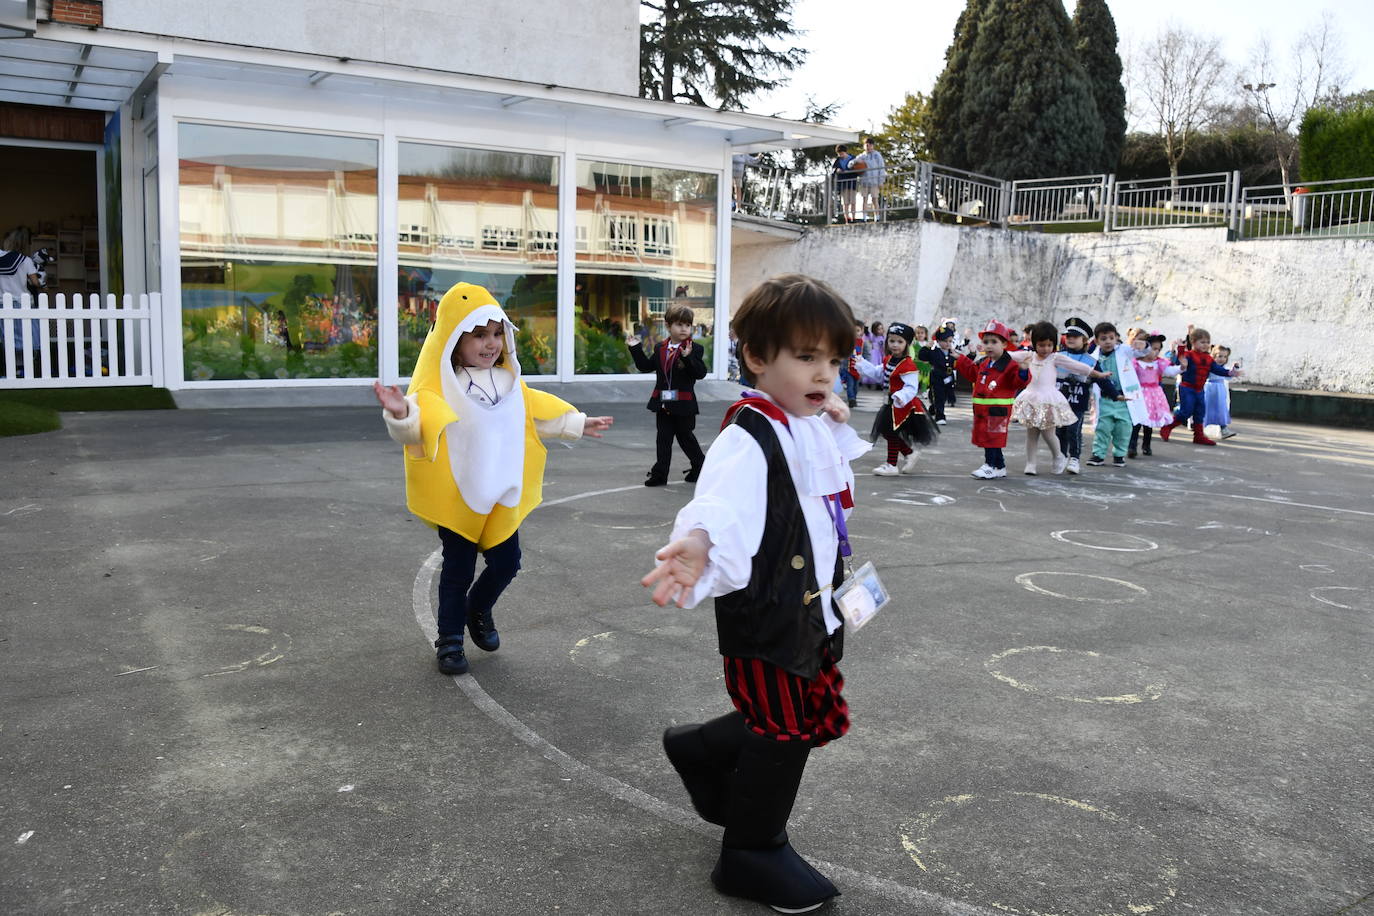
472	466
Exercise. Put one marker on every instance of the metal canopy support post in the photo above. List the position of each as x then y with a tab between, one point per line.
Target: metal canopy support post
1109	204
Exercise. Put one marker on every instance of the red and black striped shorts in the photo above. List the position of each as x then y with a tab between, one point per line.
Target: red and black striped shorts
781	705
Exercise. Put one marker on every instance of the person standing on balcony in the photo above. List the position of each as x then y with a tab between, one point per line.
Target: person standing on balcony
738	163
871	178
846	182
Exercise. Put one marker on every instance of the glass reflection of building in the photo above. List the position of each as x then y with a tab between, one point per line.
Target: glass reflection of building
646	237
278	236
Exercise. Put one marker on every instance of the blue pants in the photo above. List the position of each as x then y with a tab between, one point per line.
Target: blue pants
1191	405
1071	436
1113	429
851	385
457	591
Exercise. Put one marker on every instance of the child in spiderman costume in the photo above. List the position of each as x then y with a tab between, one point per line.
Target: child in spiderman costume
902	420
996	379
1198	366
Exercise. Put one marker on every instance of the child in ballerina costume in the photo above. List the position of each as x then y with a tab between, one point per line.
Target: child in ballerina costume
474	462
1040	406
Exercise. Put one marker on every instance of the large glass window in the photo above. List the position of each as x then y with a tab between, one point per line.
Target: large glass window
278	254
646	239
484	217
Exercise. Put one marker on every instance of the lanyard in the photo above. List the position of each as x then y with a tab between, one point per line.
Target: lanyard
841	528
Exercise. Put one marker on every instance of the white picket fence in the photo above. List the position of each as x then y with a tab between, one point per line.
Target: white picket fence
81	343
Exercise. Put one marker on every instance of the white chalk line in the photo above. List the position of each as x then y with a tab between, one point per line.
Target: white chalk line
862	881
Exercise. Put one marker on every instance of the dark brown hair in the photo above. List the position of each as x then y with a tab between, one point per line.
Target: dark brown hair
679	314
1105	327
1043	330
791	310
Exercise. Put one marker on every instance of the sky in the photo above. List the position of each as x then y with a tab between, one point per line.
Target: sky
869	55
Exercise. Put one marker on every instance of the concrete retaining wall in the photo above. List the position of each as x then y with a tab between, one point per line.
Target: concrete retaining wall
1298	312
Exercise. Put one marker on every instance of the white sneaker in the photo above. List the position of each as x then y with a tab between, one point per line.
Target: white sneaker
1060	463
1227	432
1072	466
886	470
983	473
1031	470
939	422
907	464
998	472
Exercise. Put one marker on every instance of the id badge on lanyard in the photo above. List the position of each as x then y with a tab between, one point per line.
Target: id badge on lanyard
862	594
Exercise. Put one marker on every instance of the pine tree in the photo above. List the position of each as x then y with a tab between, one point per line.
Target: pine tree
1095	40
944	125
1028	110
714	52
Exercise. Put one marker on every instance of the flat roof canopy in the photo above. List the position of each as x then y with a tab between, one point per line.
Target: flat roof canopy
70	66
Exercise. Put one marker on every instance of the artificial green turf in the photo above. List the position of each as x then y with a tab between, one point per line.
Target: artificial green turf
65	399
26	419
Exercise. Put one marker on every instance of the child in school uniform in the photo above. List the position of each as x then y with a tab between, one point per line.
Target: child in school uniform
941	359
677	363
765	537
473	460
996	379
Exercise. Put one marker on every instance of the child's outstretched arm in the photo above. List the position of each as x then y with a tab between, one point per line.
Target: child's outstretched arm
391	399
681	564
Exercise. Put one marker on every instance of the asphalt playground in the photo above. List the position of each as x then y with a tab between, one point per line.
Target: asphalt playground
1137	691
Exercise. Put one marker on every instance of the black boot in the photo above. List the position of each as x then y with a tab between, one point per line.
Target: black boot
756	860
482	629
704	756
448	652
692	473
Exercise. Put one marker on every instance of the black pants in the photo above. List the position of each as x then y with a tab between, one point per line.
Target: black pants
1136	434
1071	436
457	591
993	458
939	394
675	426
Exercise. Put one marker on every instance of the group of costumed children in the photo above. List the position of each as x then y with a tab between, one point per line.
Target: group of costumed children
765	534
1048	391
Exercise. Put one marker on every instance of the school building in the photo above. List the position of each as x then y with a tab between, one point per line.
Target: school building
300	183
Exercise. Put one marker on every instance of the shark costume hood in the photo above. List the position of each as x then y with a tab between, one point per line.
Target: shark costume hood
479	469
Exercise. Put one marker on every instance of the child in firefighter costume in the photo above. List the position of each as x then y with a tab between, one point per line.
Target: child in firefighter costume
765	537
474	463
902	420
996	379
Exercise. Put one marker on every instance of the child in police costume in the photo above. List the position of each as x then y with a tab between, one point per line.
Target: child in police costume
902	420
1077	389
677	363
473	460
996	379
765	537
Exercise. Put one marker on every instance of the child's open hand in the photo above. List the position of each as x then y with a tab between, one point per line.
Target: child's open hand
687	347
391	398
835	408
681	564
595	426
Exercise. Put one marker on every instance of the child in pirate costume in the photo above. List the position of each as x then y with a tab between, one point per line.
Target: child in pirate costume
677	364
1077	390
474	463
996	379
765	536
902	420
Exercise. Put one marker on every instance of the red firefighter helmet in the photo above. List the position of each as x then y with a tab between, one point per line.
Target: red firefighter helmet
998	328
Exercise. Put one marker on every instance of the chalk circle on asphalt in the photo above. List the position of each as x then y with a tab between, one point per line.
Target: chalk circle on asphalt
1030	581
280	645
1345	593
1062	849
921	498
1105	540
1076	675
615	654
1316	567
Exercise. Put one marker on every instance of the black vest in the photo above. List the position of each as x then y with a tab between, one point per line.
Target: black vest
771	618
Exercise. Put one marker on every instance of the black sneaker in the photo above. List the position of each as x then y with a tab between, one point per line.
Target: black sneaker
1117	462
652	481
1130	453
482	629
692	474
1095	462
448	652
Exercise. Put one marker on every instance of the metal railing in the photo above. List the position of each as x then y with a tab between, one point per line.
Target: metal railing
1185	200
1077	199
1315	209
54	343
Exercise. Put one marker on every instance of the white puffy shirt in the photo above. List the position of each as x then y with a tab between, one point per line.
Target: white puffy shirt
731	502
